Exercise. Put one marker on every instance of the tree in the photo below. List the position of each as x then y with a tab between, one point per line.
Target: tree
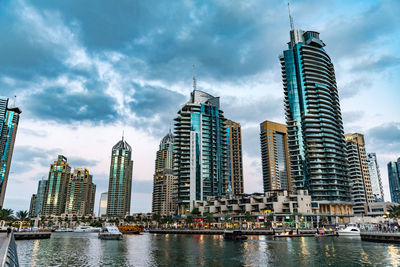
210	218
6	214
189	219
196	211
22	215
394	211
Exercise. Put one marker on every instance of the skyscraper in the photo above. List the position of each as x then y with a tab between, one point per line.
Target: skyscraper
103	204
164	180
235	158
40	195
9	118
56	188
314	123
361	191
80	193
120	182
275	156
32	206
394	180
200	150
375	177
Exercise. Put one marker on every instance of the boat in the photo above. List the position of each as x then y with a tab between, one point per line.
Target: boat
349	231
86	229
131	229
234	235
110	233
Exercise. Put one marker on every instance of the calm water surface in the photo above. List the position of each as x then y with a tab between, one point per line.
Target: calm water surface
84	249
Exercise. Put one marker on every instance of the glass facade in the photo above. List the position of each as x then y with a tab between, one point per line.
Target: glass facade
103	204
9	118
200	150
375	177
394	180
40	197
314	123
120	182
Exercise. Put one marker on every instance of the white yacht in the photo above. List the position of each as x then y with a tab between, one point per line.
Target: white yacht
86	229
110	233
349	231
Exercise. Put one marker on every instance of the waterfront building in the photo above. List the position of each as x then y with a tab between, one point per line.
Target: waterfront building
56	188
235	158
164	182
314	122
103	204
394	180
32	206
200	150
9	119
378	209
40	197
80	193
375	177
275	156
361	191
120	182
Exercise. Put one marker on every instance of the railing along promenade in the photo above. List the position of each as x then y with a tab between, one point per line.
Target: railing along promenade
8	250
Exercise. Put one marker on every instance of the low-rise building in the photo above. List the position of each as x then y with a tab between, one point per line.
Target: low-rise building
378	209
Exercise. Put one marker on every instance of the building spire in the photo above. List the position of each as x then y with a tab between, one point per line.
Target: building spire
123	135
194	79
290	17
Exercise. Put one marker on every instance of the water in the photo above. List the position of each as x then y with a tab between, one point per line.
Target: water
84	249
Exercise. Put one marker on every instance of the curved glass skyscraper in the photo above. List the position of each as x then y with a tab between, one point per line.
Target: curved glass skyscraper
315	129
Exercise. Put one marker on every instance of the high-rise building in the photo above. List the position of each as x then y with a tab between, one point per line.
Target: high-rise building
56	188
275	156
103	204
235	158
120	183
32	206
361	191
9	118
394	180
80	193
40	195
375	177
200	150
164	180
314	123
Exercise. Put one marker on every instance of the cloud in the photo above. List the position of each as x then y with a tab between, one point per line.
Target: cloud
385	137
142	186
354	87
78	162
377	64
352	116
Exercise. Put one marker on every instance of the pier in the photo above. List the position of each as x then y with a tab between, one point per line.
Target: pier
32	235
302	232
380	237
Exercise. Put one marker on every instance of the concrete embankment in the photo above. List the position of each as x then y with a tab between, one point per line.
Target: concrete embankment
31	235
381	237
220	232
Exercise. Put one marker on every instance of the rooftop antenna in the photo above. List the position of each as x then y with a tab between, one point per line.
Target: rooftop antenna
15	101
123	135
290	17
194	79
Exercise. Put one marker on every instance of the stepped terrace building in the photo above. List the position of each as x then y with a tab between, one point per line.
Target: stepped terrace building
275	156
164	180
120	182
314	122
9	119
200	150
80	193
235	158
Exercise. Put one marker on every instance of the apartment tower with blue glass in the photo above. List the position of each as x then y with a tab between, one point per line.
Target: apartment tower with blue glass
314	123
394	180
375	177
200	150
120	182
9	119
40	195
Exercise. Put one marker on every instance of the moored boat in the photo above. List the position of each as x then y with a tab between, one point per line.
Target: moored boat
349	231
110	233
86	229
131	229
234	235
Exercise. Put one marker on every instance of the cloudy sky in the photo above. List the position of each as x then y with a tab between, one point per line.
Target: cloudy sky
84	71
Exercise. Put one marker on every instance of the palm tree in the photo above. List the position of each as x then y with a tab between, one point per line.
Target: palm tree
22	215
6	214
394	211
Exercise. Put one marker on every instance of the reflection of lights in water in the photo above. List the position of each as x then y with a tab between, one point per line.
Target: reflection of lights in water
35	252
304	250
365	257
394	255
327	251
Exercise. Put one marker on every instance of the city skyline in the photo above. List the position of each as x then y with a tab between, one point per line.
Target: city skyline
81	99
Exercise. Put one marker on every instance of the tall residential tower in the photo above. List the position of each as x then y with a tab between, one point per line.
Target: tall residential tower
375	177
9	118
235	158
120	183
200	150
275	156
394	180
314	123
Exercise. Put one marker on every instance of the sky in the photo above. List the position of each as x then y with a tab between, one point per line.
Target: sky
85	71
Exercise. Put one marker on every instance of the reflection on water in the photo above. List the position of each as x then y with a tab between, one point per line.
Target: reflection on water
84	249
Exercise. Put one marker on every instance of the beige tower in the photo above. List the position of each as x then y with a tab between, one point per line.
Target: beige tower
80	193
275	156
235	157
361	190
